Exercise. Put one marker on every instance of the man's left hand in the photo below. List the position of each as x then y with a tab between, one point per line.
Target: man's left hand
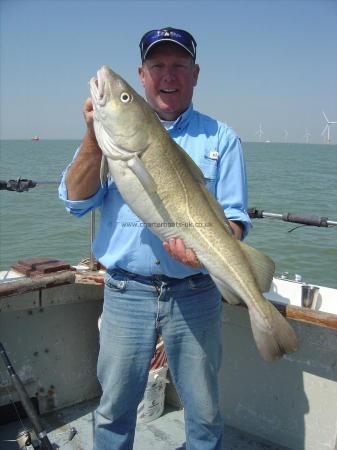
176	248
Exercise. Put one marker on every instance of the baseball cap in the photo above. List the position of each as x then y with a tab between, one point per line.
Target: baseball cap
168	34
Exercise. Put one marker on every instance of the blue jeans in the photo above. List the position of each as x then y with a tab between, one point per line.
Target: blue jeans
187	314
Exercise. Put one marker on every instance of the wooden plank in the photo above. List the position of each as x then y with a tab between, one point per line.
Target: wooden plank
38	265
320	318
29	262
89	277
38	282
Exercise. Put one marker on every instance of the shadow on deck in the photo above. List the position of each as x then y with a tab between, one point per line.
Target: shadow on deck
165	433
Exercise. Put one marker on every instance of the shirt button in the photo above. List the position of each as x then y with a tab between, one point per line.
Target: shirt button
157	262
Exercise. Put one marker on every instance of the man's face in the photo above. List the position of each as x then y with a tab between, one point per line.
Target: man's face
168	76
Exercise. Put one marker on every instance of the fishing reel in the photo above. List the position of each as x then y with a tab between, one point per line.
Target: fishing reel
27	438
19	185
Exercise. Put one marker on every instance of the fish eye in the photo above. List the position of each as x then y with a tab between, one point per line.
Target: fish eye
125	97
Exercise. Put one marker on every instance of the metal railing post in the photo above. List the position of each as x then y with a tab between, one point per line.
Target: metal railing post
92	263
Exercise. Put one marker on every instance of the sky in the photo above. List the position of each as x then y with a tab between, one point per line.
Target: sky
272	62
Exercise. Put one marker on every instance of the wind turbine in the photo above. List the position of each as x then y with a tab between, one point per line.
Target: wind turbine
286	136
259	132
327	129
307	135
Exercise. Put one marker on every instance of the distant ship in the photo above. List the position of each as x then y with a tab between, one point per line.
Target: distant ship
35	138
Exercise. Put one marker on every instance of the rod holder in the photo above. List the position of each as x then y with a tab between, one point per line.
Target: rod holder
309	295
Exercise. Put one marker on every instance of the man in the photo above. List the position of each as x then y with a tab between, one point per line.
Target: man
154	288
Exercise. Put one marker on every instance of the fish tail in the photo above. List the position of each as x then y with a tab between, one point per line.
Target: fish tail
273	334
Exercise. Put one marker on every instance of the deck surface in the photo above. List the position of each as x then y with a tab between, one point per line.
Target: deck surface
165	433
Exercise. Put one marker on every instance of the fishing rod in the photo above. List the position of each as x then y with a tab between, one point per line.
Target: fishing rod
306	219
23	184
26	402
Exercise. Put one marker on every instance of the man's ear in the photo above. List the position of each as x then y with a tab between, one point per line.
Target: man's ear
141	75
196	71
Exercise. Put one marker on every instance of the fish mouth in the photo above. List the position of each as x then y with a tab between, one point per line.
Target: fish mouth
97	89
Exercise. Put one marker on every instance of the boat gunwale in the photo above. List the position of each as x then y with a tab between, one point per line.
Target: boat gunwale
89	277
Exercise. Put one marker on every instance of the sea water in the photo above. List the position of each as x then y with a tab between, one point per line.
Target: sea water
296	178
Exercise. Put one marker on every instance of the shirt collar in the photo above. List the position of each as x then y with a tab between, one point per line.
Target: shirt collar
183	120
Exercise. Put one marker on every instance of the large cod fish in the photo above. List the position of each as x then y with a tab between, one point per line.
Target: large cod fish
162	184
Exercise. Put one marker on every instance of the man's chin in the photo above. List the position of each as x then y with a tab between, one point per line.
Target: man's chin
167	112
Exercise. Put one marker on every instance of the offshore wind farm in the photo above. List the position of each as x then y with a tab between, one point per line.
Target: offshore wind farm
326	130
325	135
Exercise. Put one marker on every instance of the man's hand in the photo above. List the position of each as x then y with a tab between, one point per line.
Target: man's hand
176	248
88	113
83	177
237	228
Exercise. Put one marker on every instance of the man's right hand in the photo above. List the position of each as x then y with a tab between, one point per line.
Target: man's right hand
83	177
88	113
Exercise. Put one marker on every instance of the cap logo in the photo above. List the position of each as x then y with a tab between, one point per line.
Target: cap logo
180	37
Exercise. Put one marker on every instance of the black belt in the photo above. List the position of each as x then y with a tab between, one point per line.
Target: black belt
157	277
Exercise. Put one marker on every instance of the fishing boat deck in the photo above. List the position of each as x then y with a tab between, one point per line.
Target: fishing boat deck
165	433
49	329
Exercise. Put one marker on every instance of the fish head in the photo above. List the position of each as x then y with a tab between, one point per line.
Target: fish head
119	116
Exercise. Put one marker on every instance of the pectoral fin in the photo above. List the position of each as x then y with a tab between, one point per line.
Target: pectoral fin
150	202
138	168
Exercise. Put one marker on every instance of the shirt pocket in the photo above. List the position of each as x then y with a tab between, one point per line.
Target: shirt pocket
209	170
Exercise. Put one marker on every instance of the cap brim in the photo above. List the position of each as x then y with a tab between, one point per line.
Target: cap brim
167	40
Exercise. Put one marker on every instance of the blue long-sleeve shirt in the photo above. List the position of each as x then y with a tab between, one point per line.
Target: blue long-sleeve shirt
123	240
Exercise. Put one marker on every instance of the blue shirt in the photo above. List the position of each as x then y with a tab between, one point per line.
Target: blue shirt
122	241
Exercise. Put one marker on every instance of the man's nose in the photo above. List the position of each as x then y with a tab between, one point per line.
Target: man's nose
169	74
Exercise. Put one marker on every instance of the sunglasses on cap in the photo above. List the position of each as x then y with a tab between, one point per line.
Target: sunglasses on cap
179	37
